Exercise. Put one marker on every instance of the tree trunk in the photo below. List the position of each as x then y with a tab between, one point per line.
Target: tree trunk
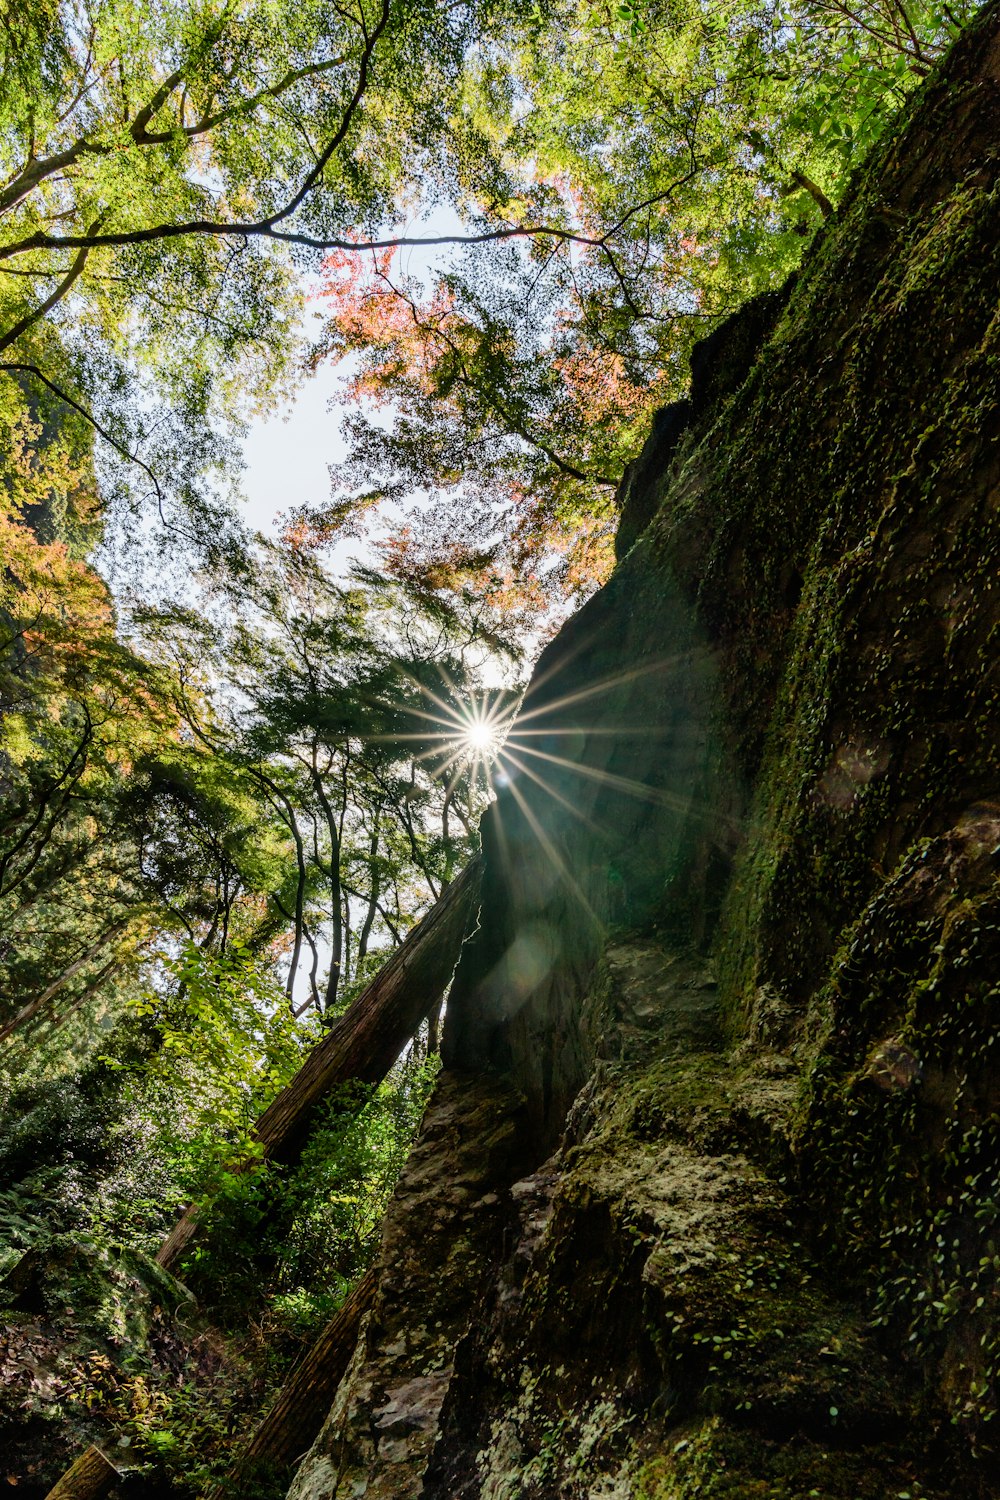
372	912
278	796
88	1479
434	1030
368	1038
336	892
291	1426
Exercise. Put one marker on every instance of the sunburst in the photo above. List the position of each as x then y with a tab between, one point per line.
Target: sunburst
460	734
482	736
480	733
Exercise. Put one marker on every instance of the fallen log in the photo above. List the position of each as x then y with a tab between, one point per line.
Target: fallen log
368	1038
303	1403
90	1477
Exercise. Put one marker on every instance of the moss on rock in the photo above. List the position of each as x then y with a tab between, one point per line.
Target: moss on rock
745	982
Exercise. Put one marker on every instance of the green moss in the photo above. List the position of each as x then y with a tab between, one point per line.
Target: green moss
718	1462
840	539
901	1141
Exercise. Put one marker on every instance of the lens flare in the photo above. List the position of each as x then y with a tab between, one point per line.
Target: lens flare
487	741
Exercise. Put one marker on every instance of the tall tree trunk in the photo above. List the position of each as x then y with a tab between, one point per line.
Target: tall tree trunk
348	934
291	821
373	876
367	1039
336	915
313	969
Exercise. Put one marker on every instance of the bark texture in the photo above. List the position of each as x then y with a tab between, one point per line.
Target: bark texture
705	1203
90	1478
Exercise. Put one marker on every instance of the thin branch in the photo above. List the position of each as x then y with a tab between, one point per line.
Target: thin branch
138	128
198	312
13	334
915	41
637	208
85	87
102	431
34	172
815	192
37	170
246	106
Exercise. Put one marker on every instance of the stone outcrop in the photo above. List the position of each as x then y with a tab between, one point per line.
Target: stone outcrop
705	1203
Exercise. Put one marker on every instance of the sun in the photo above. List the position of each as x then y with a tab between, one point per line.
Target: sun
480	737
464	735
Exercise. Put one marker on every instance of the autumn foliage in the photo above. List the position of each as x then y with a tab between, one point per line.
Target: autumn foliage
520	440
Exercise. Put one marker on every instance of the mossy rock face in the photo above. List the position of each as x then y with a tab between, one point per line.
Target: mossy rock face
663	1325
900	1146
797	665
713	1462
108	1290
739	954
644	1313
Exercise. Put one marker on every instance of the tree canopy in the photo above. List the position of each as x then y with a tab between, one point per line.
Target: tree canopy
171	171
681	154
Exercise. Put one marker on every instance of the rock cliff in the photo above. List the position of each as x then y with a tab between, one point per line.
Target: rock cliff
705	1203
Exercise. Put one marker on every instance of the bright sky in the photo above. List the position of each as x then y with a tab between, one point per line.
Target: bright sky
288	455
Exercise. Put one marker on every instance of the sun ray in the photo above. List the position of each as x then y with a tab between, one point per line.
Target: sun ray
631	788
556	859
584	728
584	818
657	795
466	735
602	685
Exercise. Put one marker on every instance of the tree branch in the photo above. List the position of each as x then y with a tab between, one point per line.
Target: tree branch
102	431
40	311
815	192
273	91
52	804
